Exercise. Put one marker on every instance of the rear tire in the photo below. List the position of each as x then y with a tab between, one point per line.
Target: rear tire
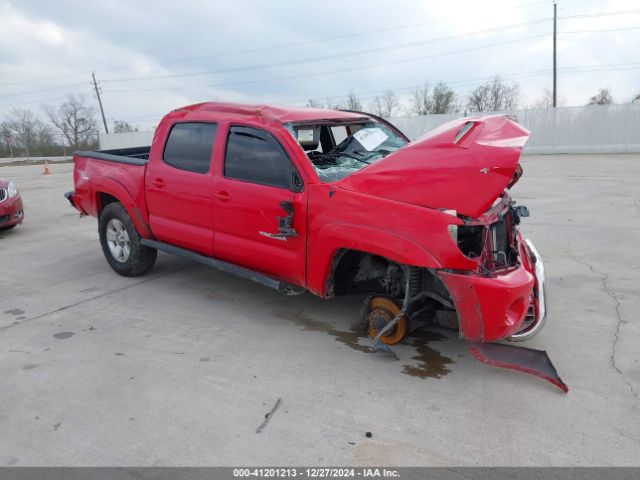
121	243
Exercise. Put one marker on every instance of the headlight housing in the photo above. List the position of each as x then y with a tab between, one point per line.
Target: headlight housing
12	191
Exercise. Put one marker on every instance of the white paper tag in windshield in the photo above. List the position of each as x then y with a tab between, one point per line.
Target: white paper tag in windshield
370	138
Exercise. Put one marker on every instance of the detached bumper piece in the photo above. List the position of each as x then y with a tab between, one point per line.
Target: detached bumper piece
520	359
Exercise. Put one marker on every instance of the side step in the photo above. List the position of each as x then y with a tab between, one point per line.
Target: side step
262	279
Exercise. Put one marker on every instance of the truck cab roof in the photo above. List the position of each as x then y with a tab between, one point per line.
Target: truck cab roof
278	113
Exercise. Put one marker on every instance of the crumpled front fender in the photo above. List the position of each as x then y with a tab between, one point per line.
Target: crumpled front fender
491	308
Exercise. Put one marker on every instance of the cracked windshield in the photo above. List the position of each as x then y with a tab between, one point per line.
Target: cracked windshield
336	150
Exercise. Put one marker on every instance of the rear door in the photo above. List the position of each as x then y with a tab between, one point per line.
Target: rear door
258	176
178	187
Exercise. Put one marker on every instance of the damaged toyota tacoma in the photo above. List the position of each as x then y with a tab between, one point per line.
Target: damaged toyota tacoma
335	203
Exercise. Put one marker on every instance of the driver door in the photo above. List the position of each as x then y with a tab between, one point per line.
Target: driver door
258	178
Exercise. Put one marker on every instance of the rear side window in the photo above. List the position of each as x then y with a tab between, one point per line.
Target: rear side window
254	156
189	146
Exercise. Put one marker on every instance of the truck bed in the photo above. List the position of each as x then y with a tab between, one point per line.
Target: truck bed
130	156
100	176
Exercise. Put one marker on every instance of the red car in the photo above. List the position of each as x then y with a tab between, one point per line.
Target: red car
331	202
11	210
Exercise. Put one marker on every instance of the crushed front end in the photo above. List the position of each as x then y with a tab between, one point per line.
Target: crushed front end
504	297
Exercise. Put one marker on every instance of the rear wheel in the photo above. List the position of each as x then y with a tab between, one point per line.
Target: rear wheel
378	312
121	242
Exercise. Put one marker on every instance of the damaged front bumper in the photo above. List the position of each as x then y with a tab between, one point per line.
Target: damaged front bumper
538	311
11	211
509	303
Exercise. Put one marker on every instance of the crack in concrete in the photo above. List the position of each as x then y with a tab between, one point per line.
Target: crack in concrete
104	294
604	278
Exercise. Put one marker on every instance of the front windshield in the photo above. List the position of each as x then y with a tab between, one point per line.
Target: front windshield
338	149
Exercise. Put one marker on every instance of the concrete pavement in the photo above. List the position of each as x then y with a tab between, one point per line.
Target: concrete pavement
179	367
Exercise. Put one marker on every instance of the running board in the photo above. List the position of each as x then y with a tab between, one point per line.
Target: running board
261	278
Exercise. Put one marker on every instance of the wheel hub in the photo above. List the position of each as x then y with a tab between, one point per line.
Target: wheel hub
381	311
379	318
118	240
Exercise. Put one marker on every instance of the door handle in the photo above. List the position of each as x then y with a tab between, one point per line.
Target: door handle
158	182
222	196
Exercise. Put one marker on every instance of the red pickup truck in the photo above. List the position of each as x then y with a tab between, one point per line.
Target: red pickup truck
331	202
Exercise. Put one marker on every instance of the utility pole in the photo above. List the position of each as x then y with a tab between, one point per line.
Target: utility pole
104	120
555	65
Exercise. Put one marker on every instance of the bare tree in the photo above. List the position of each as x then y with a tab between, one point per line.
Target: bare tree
494	96
22	124
439	100
443	99
314	103
377	106
390	104
44	136
636	99
421	102
6	137
603	97
75	121
122	126
354	103
334	105
545	100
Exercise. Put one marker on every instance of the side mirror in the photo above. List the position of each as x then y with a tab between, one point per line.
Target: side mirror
296	184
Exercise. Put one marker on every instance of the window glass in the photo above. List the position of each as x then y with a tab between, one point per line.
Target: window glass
254	156
189	146
339	133
358	144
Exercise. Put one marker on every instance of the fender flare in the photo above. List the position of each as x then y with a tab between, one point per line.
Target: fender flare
333	238
114	188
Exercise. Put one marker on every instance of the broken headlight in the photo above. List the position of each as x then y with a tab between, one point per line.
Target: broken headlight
471	240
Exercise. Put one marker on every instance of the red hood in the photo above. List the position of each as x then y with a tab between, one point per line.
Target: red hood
438	170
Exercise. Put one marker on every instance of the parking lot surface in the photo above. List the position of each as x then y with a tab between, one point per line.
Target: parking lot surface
180	366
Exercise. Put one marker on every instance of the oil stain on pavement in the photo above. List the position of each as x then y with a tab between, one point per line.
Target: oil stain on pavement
351	338
431	363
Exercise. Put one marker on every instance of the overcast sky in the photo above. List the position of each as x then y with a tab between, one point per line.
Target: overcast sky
153	56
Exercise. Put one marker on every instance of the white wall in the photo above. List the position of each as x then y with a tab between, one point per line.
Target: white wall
592	129
109	141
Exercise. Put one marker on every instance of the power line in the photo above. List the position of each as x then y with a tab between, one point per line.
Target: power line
285	45
32	101
602	30
359	52
600	14
328	57
328	72
60	87
281	46
322	40
580	16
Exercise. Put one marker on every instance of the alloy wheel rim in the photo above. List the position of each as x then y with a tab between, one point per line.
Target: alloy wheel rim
118	240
